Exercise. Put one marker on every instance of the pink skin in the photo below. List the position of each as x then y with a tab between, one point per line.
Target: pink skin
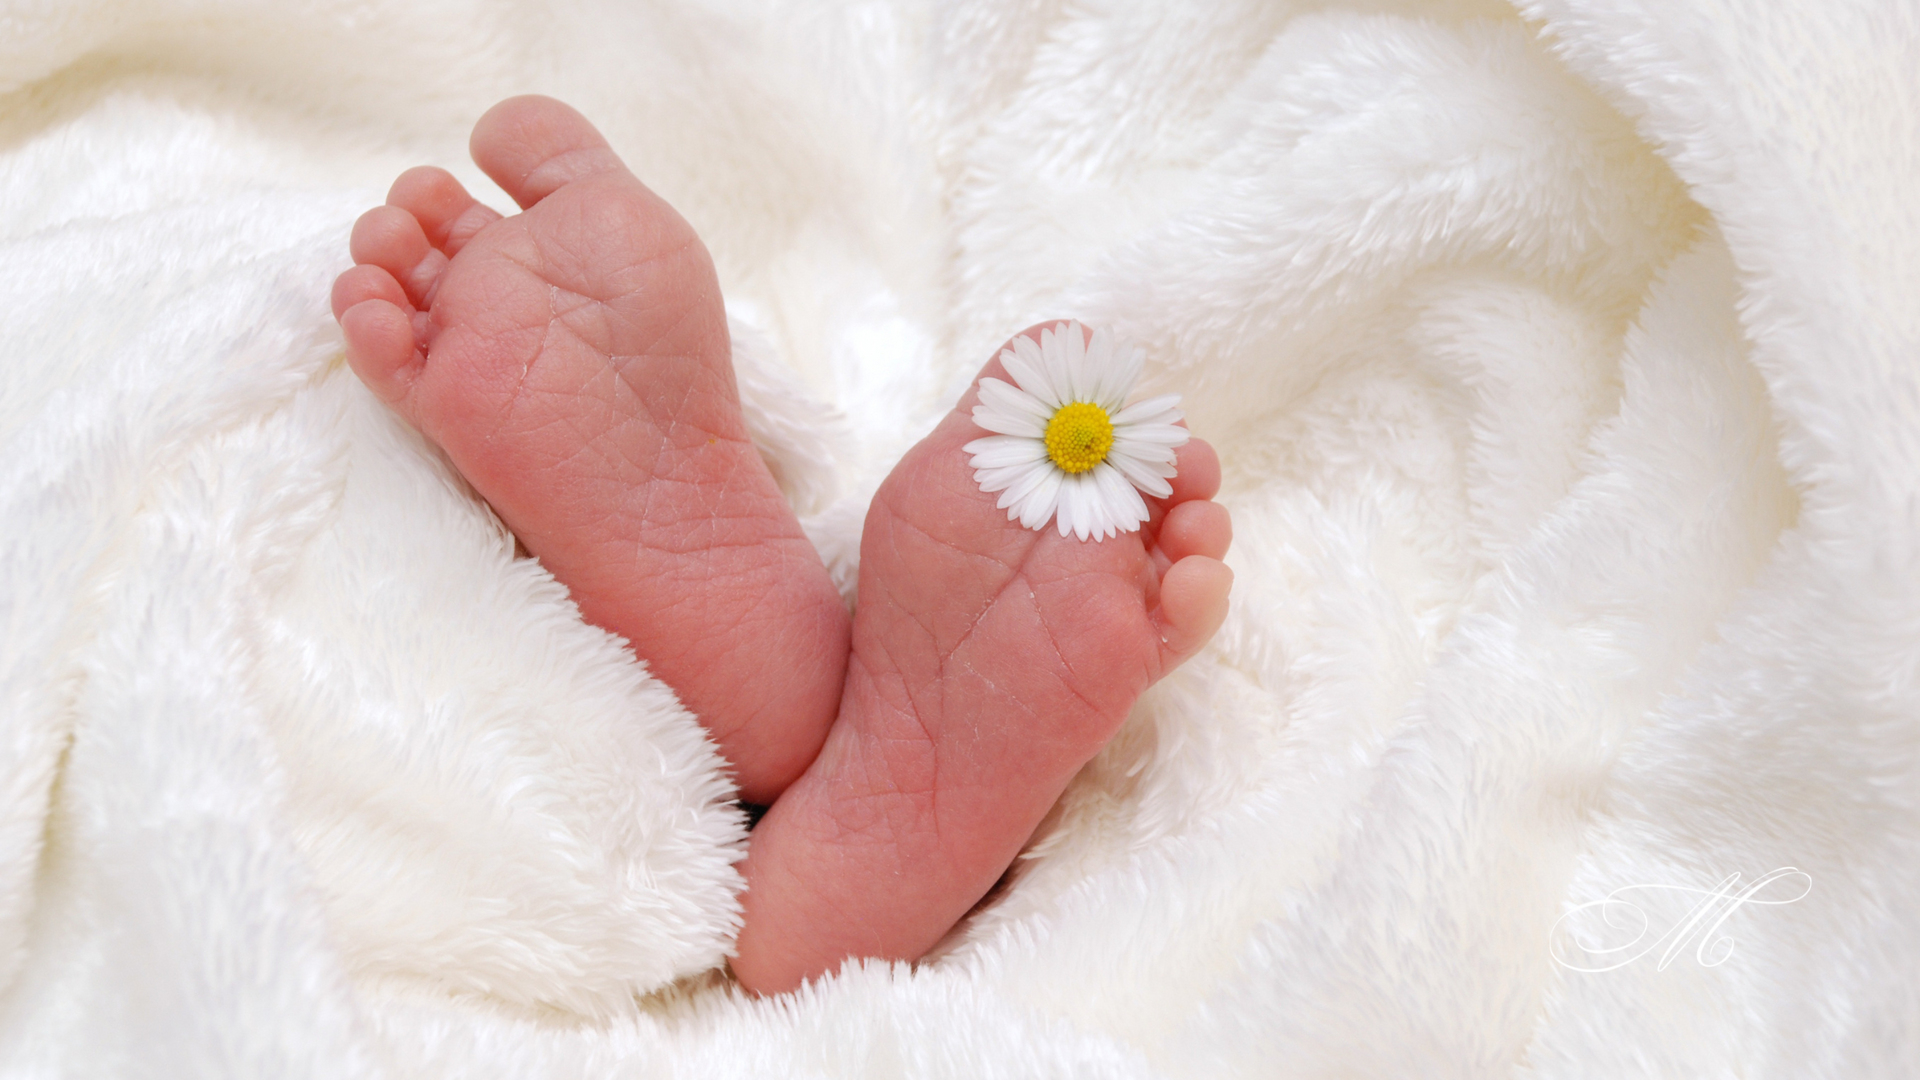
990	662
573	362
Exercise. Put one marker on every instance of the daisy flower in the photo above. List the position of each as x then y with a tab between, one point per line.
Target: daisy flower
1068	444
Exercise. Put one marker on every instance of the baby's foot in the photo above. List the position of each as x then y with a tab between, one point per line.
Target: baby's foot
574	363
990	662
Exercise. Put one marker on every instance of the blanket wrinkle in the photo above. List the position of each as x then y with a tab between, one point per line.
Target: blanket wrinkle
1564	366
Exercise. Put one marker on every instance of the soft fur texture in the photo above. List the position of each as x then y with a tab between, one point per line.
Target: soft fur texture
1565	366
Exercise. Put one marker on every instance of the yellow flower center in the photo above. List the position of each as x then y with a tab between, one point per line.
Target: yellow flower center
1079	436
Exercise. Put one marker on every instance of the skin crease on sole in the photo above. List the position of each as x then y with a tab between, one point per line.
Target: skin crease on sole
990	662
573	361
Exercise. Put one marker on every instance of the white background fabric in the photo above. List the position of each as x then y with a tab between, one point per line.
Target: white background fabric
1564	364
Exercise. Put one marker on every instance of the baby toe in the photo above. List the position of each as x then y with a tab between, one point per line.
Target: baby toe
381	347
391	239
1193	604
446	213
1196	527
1199	472
361	283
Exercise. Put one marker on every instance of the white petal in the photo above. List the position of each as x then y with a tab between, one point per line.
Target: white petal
1163	418
1006	476
1156	456
1085	504
997	450
1010	400
1093	509
1111	516
1127	508
992	480
1086	515
1106	515
1068	505
1061	358
1008	423
1080	362
1101	517
1122	372
1098	366
1029	371
1043	501
1028	481
1148	411
991	442
1141	474
1151	434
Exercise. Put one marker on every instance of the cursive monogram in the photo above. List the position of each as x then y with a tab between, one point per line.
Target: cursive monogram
1702	921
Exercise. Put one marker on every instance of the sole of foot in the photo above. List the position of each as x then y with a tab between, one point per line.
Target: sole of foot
990	662
573	362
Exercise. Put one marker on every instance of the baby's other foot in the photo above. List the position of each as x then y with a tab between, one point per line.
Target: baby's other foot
573	362
990	662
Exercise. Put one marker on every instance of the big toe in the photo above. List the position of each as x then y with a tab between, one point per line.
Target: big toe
532	146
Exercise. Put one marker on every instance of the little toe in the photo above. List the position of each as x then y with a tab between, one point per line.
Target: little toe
1196	527
391	239
366	282
447	214
532	146
1193	604
381	346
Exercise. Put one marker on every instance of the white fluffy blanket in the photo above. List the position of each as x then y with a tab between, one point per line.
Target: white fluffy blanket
1565	364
